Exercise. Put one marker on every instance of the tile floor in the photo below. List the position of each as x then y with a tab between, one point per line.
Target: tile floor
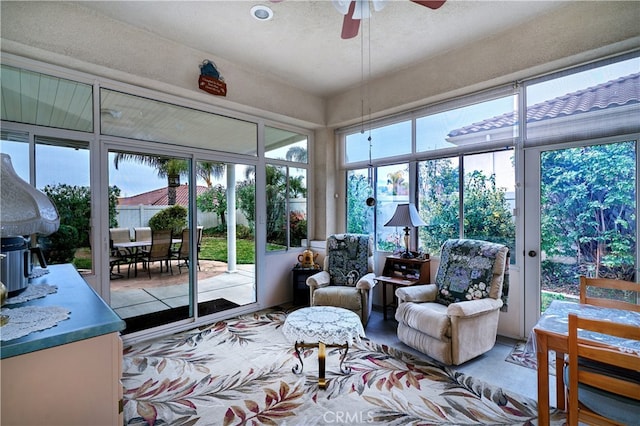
490	367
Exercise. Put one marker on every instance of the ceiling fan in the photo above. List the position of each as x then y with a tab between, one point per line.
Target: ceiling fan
355	10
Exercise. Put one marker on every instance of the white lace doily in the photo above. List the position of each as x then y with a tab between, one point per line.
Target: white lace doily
326	324
33	291
28	319
38	272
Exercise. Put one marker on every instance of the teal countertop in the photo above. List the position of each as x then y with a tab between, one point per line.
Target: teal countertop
89	315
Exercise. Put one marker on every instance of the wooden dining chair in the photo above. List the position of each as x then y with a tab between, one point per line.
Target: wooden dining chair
603	384
599	292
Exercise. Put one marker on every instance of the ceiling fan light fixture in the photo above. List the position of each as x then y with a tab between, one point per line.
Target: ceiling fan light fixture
261	12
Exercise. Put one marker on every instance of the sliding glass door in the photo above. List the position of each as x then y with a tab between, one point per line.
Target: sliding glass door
206	264
225	244
148	288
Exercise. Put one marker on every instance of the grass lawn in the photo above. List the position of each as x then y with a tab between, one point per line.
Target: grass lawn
215	248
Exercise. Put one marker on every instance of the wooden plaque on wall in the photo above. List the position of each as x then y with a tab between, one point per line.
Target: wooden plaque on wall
212	85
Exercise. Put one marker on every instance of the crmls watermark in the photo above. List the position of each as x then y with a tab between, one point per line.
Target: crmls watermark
346	417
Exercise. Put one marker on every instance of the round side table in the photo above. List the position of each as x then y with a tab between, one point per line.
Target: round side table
322	326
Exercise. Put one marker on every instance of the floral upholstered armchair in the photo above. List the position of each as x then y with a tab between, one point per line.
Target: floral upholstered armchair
346	280
456	319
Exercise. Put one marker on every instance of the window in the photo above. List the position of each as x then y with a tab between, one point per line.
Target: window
16	145
594	103
286	189
468	127
392	188
139	118
360	201
386	141
465	179
489	197
34	98
438	202
61	171
285	145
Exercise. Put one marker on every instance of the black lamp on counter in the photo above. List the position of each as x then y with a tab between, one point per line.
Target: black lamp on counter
406	216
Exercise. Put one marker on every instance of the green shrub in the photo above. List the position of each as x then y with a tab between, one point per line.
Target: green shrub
173	218
60	247
244	232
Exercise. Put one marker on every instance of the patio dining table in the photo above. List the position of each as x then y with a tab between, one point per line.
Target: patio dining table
133	249
551	333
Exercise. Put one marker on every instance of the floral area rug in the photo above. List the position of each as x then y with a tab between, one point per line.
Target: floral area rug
239	371
523	354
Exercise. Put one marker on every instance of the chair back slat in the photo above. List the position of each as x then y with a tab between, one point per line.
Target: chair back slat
600	366
601	292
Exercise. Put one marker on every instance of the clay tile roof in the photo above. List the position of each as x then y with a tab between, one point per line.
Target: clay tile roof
618	92
160	197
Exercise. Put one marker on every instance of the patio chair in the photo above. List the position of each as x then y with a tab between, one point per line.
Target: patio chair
115	261
159	251
119	235
142	233
200	231
182	254
118	257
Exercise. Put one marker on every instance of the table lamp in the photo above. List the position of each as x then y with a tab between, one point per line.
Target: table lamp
406	216
24	211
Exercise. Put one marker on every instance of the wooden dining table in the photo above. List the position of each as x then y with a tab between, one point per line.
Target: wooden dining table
551	334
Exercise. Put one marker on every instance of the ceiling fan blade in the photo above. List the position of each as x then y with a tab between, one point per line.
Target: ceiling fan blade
350	26
431	4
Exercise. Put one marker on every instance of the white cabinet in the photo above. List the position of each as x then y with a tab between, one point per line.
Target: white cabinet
69	374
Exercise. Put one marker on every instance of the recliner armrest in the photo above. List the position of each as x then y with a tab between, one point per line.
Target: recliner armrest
321	279
366	282
471	308
417	293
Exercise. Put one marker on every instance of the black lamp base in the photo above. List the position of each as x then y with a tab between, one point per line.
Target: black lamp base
407	255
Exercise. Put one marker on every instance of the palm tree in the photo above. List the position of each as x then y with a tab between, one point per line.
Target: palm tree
206	169
297	153
172	169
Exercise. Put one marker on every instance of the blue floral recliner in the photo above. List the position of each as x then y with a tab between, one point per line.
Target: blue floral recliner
347	278
456	319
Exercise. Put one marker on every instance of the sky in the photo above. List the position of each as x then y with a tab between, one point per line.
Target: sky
58	164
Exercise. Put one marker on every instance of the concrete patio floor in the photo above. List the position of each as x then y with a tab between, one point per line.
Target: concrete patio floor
134	296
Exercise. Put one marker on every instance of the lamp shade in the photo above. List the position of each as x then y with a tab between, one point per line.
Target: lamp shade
23	209
405	215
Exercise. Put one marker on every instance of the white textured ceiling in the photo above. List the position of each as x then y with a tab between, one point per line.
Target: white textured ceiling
301	45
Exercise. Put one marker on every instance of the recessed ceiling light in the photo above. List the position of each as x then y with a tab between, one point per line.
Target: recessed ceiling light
261	13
